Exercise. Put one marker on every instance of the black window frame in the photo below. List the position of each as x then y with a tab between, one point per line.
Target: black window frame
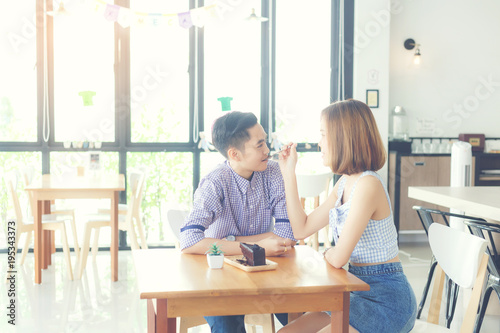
123	143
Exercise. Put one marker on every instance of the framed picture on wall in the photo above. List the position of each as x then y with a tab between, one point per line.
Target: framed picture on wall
372	98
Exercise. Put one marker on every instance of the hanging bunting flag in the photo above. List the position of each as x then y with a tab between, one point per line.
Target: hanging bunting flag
124	17
170	19
139	19
98	7
199	17
211	11
185	20
127	17
111	12
154	19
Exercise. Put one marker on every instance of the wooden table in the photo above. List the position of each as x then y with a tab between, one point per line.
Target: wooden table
480	201
85	187
179	285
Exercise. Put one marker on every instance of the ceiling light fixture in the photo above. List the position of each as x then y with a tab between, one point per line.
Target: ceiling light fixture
254	17
60	10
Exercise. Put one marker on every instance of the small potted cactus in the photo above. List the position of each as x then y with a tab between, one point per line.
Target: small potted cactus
215	256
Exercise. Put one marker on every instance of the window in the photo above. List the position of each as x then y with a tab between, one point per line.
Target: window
302	87
159	77
18	97
168	186
84	82
172	76
232	64
10	164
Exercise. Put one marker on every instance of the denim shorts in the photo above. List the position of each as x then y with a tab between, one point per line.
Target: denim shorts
390	304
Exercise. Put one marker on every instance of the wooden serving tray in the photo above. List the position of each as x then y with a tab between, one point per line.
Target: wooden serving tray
231	260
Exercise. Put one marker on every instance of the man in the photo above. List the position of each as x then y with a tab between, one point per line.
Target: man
236	201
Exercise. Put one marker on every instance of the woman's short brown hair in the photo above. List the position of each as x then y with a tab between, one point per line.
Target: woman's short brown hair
353	138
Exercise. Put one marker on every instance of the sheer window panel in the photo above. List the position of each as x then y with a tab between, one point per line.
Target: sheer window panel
169	178
232	63
11	163
84	82
302	68
159	78
18	92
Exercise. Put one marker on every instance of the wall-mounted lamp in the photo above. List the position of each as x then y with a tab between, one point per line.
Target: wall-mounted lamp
410	45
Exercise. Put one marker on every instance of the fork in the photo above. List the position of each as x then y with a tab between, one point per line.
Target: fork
276	155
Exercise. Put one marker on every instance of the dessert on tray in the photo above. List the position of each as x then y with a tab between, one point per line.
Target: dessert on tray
254	255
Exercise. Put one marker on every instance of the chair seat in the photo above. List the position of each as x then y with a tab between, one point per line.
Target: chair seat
122	208
104	218
425	327
47	218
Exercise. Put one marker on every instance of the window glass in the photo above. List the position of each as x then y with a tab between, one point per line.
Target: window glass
209	161
64	164
18	95
169	179
302	68
84	82
232	63
10	164
159	77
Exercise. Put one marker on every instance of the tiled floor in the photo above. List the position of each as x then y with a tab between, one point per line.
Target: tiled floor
95	304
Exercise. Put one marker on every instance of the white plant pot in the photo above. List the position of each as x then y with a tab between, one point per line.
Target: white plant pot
215	262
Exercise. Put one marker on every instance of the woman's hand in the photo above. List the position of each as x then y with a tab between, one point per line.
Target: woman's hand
288	160
276	246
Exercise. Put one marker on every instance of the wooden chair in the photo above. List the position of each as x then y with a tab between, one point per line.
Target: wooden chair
461	256
137	217
136	182
176	219
49	222
491	232
428	216
312	186
68	214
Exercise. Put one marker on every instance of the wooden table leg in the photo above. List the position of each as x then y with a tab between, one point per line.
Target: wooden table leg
293	316
340	319
151	317
163	323
37	250
114	237
48	240
157	317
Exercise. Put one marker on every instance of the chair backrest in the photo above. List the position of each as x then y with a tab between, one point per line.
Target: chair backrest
428	216
11	181
136	183
27	174
490	232
461	256
176	219
312	185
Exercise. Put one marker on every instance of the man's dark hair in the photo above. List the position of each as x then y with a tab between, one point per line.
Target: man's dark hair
231	130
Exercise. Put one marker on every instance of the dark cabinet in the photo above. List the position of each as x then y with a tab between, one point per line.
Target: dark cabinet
415	170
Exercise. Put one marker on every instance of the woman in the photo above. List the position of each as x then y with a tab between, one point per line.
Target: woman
360	214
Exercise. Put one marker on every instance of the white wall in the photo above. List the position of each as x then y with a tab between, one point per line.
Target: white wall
456	89
372	20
